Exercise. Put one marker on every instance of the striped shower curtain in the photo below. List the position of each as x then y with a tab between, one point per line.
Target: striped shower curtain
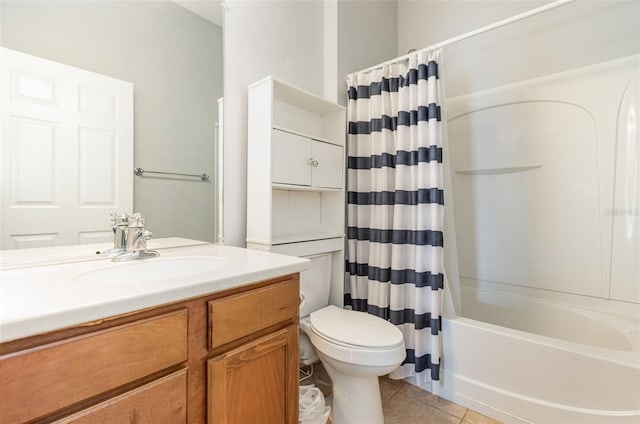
395	205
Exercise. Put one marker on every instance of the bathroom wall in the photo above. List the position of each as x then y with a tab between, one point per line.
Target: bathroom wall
574	35
367	35
287	39
283	39
173	58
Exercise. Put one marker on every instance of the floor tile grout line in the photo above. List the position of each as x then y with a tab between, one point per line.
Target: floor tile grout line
408	393
391	397
454	419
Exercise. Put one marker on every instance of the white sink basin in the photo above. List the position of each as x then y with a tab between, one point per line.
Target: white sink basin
153	269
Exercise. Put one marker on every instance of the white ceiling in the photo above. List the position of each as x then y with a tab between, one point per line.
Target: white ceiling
210	10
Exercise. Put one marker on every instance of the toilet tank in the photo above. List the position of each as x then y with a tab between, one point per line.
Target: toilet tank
315	284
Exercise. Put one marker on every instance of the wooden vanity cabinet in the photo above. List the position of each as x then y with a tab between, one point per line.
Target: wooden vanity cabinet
257	381
229	357
249	384
37	381
161	401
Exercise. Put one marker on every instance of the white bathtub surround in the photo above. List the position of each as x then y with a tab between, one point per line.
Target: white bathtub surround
46	298
395	205
545	181
545	176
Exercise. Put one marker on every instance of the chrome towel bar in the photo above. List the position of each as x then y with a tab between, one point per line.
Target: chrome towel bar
140	172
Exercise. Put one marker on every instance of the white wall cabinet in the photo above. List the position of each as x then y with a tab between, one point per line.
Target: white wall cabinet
295	174
300	160
295	169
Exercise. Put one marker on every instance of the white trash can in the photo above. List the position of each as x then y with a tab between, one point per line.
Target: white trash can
312	407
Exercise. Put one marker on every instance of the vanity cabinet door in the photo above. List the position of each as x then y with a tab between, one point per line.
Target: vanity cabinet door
249	384
39	381
161	401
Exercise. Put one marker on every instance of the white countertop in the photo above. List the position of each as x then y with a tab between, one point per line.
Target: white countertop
37	256
44	298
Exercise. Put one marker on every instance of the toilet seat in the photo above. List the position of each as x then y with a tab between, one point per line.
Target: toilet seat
355	337
355	329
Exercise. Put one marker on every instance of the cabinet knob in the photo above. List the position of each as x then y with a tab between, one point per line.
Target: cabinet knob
313	162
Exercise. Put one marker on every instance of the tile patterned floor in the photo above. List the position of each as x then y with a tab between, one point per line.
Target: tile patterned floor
404	403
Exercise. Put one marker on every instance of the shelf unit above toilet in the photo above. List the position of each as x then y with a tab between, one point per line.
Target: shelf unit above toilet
295	174
295	169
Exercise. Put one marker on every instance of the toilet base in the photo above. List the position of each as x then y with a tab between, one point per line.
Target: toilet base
356	399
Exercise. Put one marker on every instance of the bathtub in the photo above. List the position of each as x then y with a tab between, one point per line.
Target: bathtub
543	324
521	358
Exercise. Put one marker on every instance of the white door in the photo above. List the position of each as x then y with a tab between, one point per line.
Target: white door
66	152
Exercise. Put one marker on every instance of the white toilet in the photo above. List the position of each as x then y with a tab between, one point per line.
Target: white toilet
354	347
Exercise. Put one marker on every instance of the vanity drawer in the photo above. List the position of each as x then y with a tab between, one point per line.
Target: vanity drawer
233	317
161	401
47	378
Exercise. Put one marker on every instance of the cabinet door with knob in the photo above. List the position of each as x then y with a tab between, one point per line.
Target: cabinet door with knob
299	160
327	167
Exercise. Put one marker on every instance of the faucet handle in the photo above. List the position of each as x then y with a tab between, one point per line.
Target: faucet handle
119	218
136	220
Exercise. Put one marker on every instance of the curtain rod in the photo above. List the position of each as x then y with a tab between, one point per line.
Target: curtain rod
475	32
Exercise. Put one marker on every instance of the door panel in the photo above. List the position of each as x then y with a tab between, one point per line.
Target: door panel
161	401
67	152
256	382
329	170
290	159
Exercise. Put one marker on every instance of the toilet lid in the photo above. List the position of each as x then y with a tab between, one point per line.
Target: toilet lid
355	328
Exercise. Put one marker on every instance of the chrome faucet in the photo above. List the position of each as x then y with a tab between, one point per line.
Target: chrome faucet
119	228
136	241
121	223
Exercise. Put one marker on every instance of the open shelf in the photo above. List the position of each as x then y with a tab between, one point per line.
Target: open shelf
305	134
294	187
297	238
